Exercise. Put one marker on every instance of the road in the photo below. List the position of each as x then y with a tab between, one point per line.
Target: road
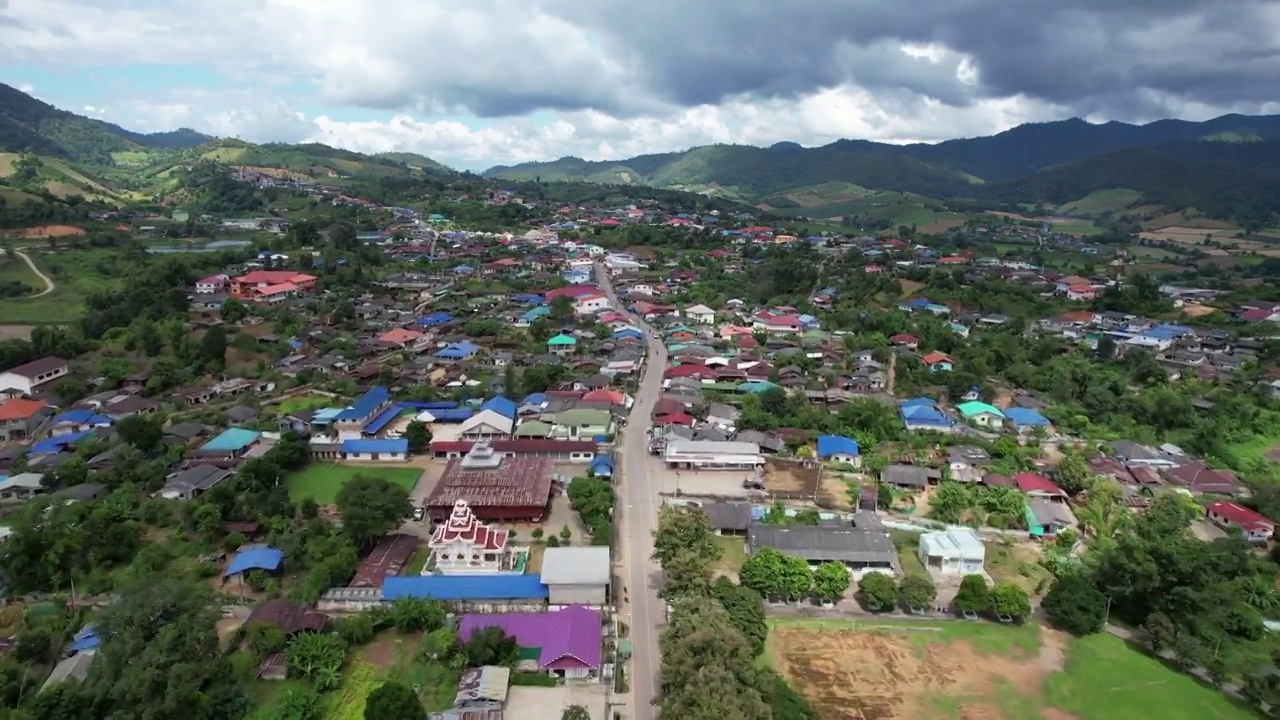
48	282
638	515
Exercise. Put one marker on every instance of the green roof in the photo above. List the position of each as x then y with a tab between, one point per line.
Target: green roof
562	339
533	428
977	407
579	417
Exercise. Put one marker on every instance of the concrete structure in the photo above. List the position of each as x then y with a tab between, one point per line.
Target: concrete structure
712	455
25	379
700	314
982	414
862	549
387	450
20	417
577	575
1255	527
955	551
462	545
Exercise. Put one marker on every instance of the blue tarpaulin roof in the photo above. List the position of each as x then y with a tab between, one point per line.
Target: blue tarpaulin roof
86	639
534	399
366	404
501	405
439	317
526	299
388	446
465	587
1026	416
829	445
432	405
81	417
260	557
384	419
602	465
57	444
452	414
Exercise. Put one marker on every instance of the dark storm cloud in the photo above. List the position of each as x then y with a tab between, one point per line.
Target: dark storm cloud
1109	56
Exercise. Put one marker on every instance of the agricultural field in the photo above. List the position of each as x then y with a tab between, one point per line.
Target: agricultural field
839	200
1101	201
982	671
322	481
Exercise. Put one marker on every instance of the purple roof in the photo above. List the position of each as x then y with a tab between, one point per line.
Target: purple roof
568	638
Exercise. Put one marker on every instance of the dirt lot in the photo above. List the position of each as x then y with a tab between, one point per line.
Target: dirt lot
44	231
834	493
891	675
16	332
790	480
539	703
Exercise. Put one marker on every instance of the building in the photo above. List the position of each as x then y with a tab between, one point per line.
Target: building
487	424
350	423
231	443
1025	420
212	284
189	484
955	551
462	545
982	414
574	451
381	450
582	423
865	546
1256	528
925	414
562	345
25	379
729	518
479	593
839	449
577	575
261	285
700	314
19	418
565	643
712	455
494	487
21	487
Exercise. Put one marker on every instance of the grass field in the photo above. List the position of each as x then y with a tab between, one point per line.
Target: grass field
733	552
321	481
307	402
1101	201
871	670
75	273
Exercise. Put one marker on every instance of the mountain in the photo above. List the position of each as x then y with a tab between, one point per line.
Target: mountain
30	125
955	168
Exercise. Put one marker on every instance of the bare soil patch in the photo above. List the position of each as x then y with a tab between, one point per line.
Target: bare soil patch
834	493
851	675
382	653
44	231
790	480
1194	310
16	332
940	226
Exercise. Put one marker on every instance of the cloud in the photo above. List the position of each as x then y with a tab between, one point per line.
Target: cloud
615	78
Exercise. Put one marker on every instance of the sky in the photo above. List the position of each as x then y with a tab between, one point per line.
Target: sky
475	83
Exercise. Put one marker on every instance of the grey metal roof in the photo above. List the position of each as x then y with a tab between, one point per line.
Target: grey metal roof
820	544
905	475
583	565
728	516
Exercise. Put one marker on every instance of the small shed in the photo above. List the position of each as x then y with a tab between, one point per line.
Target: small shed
577	575
954	551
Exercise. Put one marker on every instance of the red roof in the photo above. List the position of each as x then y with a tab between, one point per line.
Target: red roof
612	396
273	277
904	339
1029	482
676	419
936	357
1239	515
463	526
573	291
19	409
1255	314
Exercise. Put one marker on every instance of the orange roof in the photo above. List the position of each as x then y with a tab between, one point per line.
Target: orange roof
19	409
612	396
277	289
399	336
1081	288
936	357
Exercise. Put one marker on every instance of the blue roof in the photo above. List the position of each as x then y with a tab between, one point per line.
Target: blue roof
1026	416
438	317
628	331
602	462
829	445
452	414
501	405
527	299
55	445
388	446
539	312
757	386
232	439
86	639
82	417
431	405
919	401
384	419
458	351
465	587
923	413
254	558
365	405
534	399
1167	332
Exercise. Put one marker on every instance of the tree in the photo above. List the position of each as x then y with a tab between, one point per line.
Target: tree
443	645
562	309
1009	600
877	591
418	435
317	657
233	311
974	596
685	573
916	592
830	581
575	712
1075	605
684	527
746	611
141	431
1072	474
708	668
213	347
393	701
762	572
410	615
491	646
371	507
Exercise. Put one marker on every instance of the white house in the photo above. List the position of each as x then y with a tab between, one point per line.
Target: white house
376	450
486	424
463	545
591	304
955	551
212	284
25	379
712	455
700	314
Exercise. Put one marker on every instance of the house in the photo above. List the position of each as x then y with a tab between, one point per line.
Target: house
728	518
582	424
925	414
19	418
192	482
77	421
1039	486
231	443
577	575
75	668
286	617
26	378
839	449
486	424
565	643
954	551
982	414
591	304
1255	528
907	477
700	314
212	284
965	463
21	487
261	285
1024	420
602	466
1201	479
938	362
1132	453
1047	518
903	340
458	351
860	548
462	545
562	345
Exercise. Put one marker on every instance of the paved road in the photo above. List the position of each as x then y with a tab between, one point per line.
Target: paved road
638	514
48	282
